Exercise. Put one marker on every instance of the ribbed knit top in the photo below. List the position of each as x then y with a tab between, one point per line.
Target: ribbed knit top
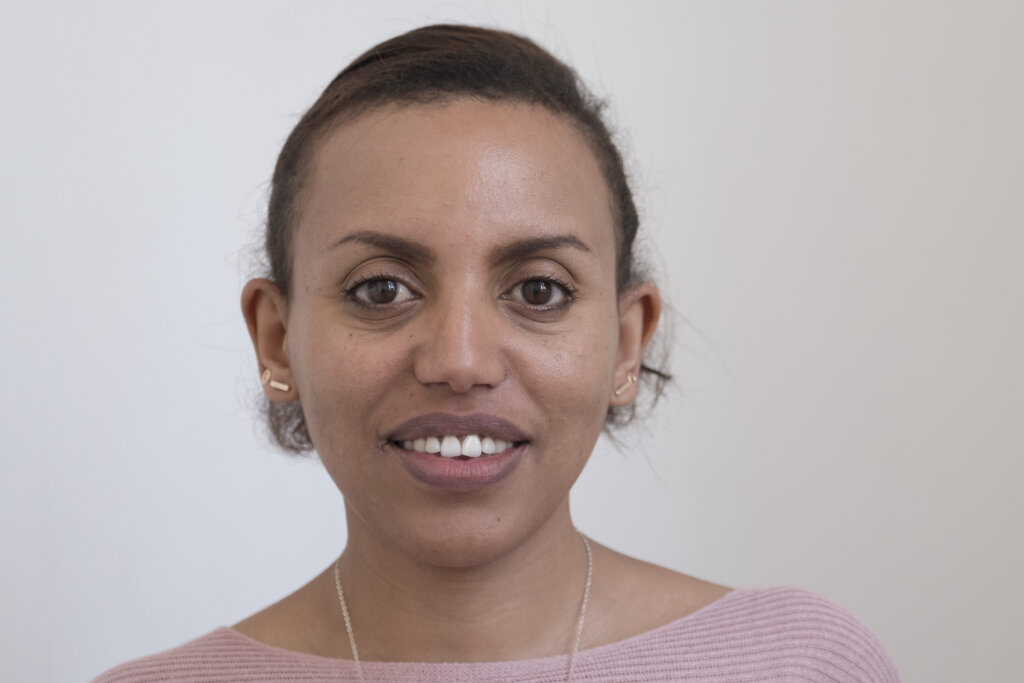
773	634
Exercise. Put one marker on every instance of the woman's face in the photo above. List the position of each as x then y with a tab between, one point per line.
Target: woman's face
454	277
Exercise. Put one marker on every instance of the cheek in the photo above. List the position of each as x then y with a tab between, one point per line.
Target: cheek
342	379
568	377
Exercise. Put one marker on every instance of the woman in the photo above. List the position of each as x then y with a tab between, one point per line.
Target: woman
452	315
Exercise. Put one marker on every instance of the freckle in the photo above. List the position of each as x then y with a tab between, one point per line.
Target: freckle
498	519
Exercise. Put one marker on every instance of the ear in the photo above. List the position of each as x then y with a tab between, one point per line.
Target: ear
266	315
639	311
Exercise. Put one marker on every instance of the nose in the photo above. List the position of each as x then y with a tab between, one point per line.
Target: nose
461	345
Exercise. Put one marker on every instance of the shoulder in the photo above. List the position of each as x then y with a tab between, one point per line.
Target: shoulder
179	663
226	656
691	629
785	634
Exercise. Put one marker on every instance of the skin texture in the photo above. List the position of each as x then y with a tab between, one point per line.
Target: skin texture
433	574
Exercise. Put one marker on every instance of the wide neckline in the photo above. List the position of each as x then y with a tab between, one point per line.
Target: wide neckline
539	662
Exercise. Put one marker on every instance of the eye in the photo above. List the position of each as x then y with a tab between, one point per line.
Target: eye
379	291
543	293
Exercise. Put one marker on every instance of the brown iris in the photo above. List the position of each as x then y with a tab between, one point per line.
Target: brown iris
381	291
537	292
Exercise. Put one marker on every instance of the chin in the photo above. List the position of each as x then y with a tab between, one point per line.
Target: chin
463	545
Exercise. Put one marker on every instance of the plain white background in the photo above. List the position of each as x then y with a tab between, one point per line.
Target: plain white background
831	190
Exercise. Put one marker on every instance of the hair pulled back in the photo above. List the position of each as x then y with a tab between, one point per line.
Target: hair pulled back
436	64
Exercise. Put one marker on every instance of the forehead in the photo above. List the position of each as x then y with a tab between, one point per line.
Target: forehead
462	170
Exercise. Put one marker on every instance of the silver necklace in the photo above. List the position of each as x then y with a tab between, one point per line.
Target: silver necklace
579	620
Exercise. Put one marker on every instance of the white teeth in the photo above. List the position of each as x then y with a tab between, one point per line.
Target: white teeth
450	447
471	446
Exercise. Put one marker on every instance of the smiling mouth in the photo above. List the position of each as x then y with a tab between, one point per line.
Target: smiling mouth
462	447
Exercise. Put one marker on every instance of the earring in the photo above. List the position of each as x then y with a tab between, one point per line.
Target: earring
265	380
630	379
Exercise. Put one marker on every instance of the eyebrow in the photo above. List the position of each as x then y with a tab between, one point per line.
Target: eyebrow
521	249
399	246
417	252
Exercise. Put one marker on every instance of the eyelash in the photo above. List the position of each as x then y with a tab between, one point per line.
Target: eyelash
567	289
350	291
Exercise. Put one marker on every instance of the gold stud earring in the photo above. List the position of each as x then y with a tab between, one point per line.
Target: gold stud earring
630	380
274	384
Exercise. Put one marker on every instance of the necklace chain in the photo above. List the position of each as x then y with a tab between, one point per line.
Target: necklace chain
579	620
583	608
348	620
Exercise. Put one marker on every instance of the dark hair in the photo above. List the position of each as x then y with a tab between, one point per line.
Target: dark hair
437	64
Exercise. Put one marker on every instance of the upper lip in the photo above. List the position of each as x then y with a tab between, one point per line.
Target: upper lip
441	424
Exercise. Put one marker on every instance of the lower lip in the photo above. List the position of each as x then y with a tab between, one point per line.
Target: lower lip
459	474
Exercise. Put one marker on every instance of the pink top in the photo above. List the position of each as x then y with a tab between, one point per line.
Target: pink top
777	634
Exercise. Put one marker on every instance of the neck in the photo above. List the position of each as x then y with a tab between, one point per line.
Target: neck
520	604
